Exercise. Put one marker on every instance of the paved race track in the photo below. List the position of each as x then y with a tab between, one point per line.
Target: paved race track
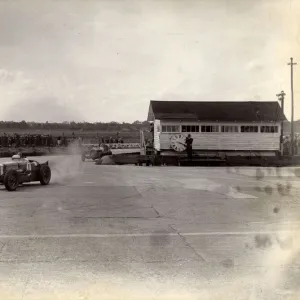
127	232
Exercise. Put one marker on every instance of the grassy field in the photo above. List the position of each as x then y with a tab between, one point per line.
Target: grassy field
128	137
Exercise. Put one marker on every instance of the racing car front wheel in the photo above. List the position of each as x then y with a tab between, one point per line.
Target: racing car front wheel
11	180
45	175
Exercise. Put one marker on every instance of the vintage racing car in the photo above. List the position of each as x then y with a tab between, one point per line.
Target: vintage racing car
95	152
20	170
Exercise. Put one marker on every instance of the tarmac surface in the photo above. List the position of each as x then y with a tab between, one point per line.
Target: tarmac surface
129	232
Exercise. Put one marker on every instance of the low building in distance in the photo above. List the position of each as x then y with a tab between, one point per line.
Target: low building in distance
233	128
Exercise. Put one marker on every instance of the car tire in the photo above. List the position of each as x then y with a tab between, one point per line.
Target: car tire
11	180
45	175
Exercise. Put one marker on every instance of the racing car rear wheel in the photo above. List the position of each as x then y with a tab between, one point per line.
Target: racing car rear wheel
45	175
11	180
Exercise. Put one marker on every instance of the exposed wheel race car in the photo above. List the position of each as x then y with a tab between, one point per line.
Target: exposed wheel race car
21	170
95	152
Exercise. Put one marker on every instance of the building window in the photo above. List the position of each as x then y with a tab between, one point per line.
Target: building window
249	128
209	128
228	128
170	128
190	128
269	129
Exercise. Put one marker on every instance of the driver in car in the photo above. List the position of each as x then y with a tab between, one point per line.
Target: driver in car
22	156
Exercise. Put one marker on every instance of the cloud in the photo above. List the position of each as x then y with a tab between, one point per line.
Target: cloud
42	110
254	66
109	58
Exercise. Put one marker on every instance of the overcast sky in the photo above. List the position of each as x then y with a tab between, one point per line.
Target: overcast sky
104	60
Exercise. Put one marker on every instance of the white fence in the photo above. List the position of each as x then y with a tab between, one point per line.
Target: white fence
118	146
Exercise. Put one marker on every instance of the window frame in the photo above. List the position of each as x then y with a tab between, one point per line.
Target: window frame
168	131
254	126
216	126
230	126
192	125
269	126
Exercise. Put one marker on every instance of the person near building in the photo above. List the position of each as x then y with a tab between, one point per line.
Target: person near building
189	146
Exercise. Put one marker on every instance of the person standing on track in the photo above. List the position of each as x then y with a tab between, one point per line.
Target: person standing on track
189	146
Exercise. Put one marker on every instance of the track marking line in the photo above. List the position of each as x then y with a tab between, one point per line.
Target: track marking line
274	222
115	235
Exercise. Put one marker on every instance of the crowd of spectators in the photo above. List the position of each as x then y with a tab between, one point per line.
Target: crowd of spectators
287	144
26	140
111	140
48	140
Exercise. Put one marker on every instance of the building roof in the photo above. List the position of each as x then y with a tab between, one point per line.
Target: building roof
222	111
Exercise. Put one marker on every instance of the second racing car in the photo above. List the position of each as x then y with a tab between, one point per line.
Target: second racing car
95	152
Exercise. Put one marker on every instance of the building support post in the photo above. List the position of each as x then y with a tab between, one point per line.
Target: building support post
281	99
292	99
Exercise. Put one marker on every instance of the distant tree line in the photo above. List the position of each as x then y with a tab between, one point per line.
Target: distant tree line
97	126
75	126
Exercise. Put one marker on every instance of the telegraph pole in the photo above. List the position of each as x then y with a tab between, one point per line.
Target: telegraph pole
292	98
281	99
